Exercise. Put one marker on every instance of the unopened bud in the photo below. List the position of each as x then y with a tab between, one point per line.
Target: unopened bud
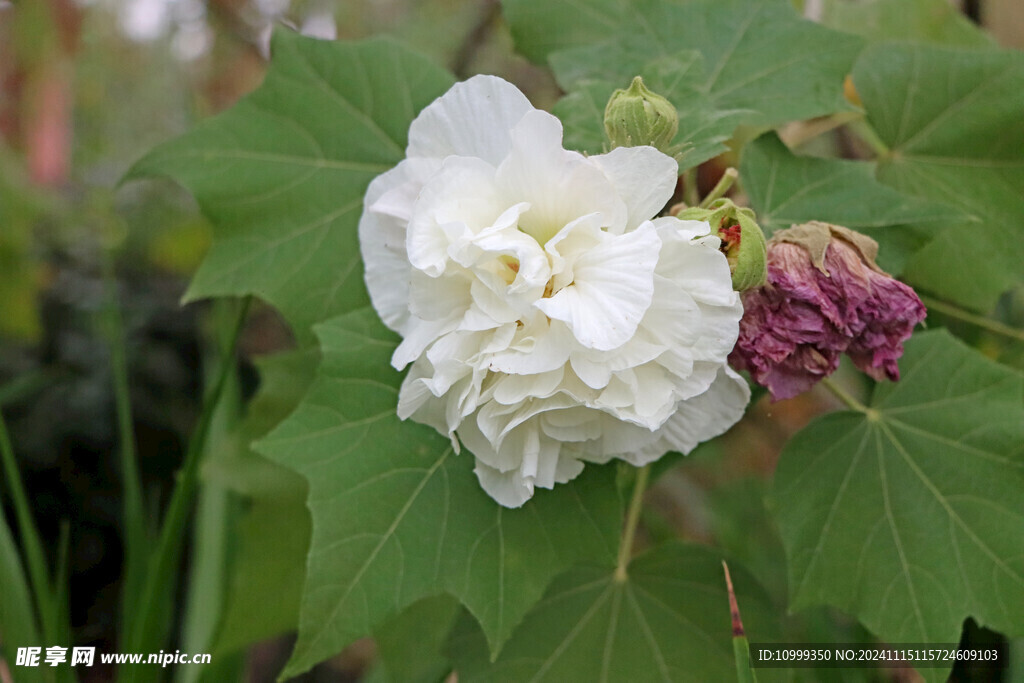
637	116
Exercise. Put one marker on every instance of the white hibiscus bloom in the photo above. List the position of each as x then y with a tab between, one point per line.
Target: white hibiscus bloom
548	317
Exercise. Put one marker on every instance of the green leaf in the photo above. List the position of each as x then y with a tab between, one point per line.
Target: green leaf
759	55
409	647
785	189
18	626
669	621
269	558
925	21
911	516
270	542
397	516
952	120
703	129
282	174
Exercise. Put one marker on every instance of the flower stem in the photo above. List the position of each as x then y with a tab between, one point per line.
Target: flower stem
691	195
632	519
723	186
845	397
976	320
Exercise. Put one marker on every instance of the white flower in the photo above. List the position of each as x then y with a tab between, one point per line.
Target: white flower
548	318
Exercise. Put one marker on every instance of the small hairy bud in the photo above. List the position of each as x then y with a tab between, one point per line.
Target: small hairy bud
637	116
825	296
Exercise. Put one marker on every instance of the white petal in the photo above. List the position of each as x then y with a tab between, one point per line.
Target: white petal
698	267
612	288
382	245
644	178
595	368
474	118
560	186
572	424
540	345
688	231
513	389
703	417
458	202
509	489
419	335
398	200
594	373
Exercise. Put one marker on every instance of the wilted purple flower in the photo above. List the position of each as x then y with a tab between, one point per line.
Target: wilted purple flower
824	295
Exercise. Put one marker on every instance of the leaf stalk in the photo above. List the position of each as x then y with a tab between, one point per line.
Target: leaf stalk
845	397
632	520
977	320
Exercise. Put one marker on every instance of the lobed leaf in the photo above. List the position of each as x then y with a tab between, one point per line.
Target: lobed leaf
281	175
669	621
911	516
952	121
786	189
925	21
397	516
758	55
271	538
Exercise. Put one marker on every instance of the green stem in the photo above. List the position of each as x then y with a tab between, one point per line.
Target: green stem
691	195
133	506
632	520
843	396
725	183
973	319
163	564
35	558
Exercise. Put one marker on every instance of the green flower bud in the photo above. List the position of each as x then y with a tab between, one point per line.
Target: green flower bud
637	116
743	242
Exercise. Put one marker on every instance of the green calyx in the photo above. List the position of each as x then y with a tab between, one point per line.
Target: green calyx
638	116
743	242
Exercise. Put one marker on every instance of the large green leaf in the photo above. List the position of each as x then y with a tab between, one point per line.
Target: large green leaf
759	55
911	516
282	174
410	646
926	21
785	189
953	122
270	542
669	621
397	516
